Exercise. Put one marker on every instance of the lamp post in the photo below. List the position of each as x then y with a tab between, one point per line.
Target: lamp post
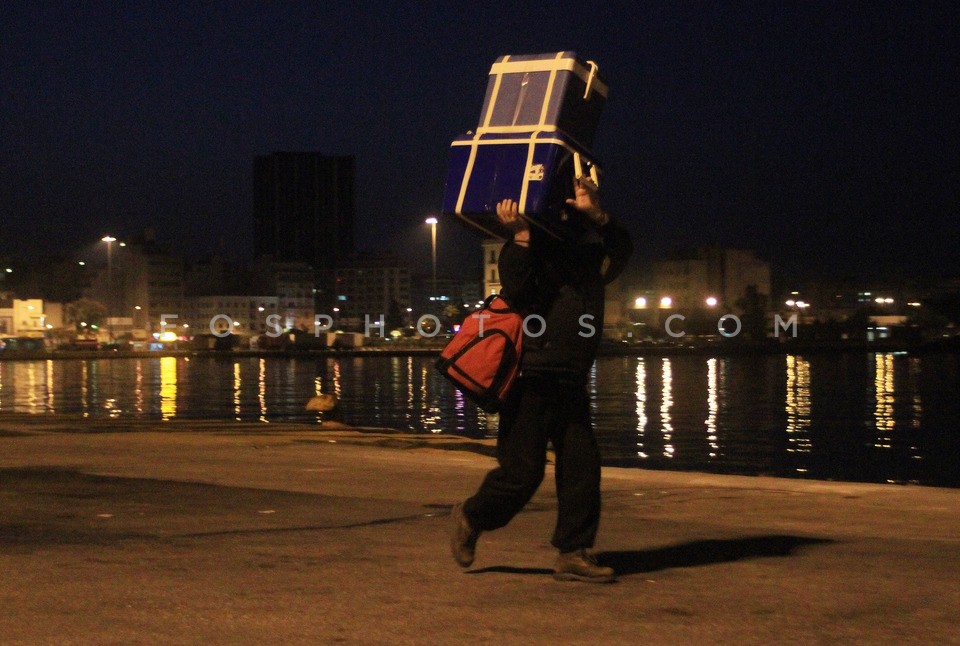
109	239
433	248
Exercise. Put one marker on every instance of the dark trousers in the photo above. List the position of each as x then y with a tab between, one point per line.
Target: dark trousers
541	410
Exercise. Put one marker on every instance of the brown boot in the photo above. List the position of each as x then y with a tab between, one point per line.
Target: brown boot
580	565
463	537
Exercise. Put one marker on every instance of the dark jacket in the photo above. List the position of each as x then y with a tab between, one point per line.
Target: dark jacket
563	282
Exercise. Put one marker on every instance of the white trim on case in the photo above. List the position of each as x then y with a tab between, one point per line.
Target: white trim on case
548	95
551	65
522	206
529	140
466	178
493	97
510	129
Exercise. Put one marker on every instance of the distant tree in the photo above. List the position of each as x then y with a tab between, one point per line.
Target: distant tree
451	315
929	322
87	311
394	316
855	326
753	306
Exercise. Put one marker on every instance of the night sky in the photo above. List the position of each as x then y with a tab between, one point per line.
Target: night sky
823	135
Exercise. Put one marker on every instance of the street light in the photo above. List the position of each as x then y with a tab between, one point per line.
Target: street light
433	248
109	239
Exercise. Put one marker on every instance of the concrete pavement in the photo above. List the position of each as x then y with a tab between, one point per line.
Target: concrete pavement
115	531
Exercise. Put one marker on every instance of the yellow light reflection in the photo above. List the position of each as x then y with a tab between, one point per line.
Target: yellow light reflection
883	386
262	390
168	388
138	388
665	406
336	378
798	406
236	390
49	385
84	390
32	398
112	408
409	386
641	407
712	407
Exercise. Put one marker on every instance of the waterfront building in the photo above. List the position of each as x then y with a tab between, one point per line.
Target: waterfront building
368	284
144	281
491	272
709	277
294	284
22	317
433	296
243	315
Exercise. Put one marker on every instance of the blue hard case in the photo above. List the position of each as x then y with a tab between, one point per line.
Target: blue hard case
538	120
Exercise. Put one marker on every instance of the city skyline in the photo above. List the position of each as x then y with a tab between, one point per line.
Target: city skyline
821	137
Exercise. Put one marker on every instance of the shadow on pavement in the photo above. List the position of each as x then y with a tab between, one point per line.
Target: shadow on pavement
691	554
707	552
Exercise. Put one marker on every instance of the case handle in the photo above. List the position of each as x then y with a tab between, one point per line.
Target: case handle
590	76
591	180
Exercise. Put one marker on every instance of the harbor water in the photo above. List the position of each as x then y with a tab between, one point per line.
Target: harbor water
874	417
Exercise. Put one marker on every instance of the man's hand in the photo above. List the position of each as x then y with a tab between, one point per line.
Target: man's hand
587	202
508	212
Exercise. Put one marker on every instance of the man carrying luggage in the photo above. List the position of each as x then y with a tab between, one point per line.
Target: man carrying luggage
563	282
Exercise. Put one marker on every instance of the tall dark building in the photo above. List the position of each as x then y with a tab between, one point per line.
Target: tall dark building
303	206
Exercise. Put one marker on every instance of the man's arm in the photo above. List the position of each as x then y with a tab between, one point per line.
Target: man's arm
517	265
616	241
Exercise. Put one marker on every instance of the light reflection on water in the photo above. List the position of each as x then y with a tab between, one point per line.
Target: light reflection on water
798	408
883	414
168	388
641	380
876	417
712	407
666	399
